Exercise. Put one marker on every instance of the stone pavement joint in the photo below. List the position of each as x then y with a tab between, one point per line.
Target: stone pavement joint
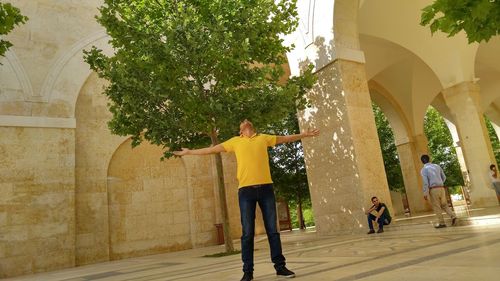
410	250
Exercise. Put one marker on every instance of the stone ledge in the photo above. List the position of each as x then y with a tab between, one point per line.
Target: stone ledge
37	122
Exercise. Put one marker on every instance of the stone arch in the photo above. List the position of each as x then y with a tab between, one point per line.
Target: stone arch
453	130
487	66
408	150
450	58
69	72
97	150
453	61
392	110
487	69
409	81
148	202
16	67
94	147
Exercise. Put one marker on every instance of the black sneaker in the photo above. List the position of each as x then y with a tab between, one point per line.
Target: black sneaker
440	226
371	231
380	230
284	272
247	276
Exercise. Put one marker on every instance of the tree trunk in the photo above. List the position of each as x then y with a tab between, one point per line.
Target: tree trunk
228	242
300	215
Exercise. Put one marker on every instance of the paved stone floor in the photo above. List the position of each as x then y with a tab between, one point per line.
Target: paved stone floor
410	249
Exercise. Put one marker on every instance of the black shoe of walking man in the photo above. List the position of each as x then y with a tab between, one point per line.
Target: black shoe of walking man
284	272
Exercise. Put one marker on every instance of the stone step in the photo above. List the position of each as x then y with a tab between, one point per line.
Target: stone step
483	216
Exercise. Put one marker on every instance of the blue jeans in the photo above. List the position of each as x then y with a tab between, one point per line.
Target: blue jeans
248	199
382	220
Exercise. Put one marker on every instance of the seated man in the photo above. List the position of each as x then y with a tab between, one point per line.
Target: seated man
382	216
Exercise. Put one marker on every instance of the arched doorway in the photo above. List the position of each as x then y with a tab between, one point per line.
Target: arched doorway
148	202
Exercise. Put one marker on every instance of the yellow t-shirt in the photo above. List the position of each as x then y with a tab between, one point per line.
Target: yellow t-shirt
252	158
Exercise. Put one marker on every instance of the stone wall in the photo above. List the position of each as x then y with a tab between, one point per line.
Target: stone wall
37	138
37	213
94	148
153	206
56	152
127	202
71	193
148	203
42	49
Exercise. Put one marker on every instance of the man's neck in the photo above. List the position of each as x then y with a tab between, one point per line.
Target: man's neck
248	134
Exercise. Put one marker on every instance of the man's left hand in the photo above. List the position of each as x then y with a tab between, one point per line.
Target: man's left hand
183	152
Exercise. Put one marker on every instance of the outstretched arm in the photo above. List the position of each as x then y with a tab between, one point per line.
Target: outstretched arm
292	138
202	151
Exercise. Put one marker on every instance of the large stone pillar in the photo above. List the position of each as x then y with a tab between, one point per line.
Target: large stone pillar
409	158
344	164
460	156
421	145
463	101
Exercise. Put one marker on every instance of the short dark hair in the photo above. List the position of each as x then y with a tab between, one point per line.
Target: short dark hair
492	166
425	158
374	197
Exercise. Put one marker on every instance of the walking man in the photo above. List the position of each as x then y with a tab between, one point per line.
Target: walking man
255	186
433	179
382	216
495	181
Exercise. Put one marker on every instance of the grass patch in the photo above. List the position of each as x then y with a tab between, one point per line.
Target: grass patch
222	254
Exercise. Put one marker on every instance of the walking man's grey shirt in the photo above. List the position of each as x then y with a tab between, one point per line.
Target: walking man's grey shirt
432	175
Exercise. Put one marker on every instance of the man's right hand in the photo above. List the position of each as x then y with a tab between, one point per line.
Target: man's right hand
425	197
310	133
184	151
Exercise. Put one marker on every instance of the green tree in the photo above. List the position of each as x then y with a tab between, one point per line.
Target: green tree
442	149
480	19
185	73
495	143
288	169
389	151
10	16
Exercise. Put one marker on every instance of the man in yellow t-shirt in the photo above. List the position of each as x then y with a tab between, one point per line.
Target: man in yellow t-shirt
255	186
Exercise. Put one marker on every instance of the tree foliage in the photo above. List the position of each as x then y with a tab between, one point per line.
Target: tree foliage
183	71
441	147
389	151
10	16
288	168
307	214
440	143
480	19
